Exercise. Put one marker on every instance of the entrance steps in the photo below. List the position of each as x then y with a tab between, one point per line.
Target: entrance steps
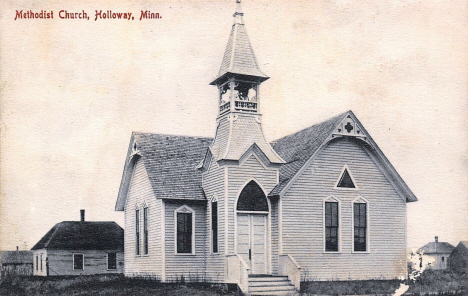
271	285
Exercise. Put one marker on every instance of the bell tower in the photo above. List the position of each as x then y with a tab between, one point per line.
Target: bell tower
239	76
239	118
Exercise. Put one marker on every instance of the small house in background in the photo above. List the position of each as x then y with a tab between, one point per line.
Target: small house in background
17	263
459	258
435	255
78	248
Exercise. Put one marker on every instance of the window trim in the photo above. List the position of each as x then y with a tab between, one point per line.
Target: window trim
115	260
331	198
145	230
361	200
217	226
345	167
184	209
82	262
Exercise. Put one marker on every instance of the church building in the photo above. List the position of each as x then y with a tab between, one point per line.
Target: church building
321	204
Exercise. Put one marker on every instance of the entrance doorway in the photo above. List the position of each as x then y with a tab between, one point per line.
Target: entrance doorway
252	228
252	241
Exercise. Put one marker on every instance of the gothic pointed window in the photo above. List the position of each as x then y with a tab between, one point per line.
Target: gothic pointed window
252	198
346	180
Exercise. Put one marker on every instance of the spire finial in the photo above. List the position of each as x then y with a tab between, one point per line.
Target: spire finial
238	14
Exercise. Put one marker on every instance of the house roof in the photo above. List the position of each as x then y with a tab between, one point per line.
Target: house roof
299	147
171	163
239	57
17	257
463	245
77	235
437	248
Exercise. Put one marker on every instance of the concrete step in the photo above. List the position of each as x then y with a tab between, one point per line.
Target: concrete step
270	283
275	293
268	279
272	288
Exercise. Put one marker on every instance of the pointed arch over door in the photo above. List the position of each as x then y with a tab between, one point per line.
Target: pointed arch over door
252	198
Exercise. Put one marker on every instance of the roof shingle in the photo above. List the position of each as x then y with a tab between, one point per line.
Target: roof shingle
171	163
437	248
17	257
76	235
297	148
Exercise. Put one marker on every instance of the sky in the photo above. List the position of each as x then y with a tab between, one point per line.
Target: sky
72	91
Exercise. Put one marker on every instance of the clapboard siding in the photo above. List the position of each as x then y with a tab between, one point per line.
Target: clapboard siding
239	176
302	217
213	185
192	267
274	234
37	264
140	193
95	262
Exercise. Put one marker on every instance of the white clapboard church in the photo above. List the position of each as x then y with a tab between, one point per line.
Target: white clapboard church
320	204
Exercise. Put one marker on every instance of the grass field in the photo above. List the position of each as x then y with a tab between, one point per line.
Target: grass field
102	285
370	287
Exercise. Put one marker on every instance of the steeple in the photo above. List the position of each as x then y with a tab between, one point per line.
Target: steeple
239	129
239	76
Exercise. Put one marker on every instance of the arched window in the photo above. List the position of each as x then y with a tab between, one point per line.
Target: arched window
252	198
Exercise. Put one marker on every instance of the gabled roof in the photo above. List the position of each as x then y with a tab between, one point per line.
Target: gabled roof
299	148
437	248
239	57
170	162
17	257
76	235
463	246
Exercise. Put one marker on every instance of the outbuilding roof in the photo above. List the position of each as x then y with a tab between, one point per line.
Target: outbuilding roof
17	257
77	235
437	248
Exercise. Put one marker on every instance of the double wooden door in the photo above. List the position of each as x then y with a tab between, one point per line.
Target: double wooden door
252	241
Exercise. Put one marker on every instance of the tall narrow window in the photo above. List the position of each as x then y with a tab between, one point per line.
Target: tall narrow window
145	230
78	261
360	227
41	262
137	232
331	226
214	226
184	230
37	262
111	261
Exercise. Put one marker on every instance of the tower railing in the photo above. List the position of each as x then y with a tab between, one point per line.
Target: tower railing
245	106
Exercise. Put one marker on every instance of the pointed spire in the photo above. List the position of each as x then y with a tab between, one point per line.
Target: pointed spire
239	57
238	14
